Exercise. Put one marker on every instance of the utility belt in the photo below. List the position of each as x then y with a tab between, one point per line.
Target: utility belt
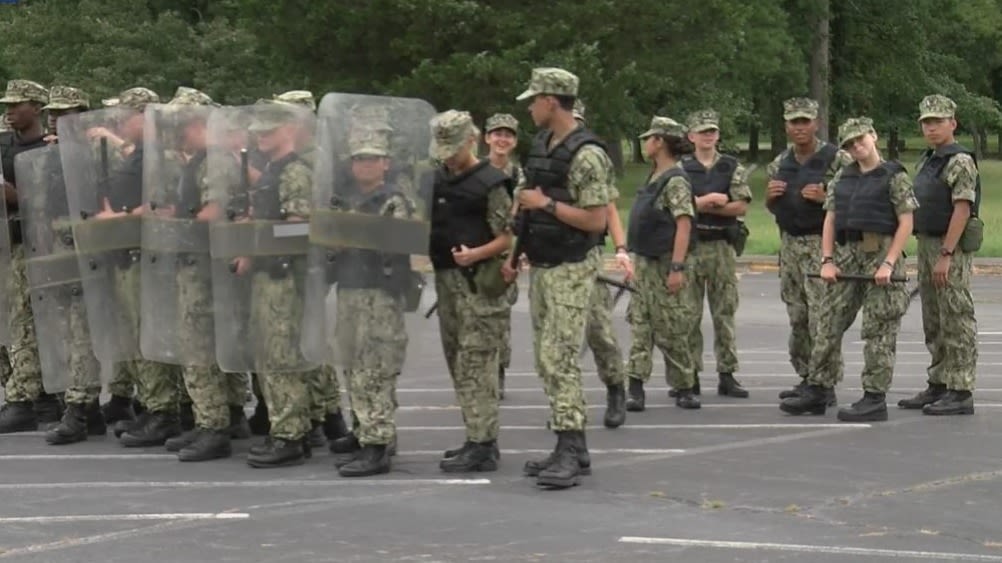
484	277
802	232
870	242
710	234
736	235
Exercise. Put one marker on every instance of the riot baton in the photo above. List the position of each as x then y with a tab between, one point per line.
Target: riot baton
860	277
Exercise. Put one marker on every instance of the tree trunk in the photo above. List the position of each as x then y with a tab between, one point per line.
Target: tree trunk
616	154
777	129
982	148
752	142
1000	143
638	151
893	144
820	67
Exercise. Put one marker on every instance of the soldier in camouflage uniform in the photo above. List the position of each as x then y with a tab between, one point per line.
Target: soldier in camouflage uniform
722	195
948	188
869	207
563	202
795	195
27	403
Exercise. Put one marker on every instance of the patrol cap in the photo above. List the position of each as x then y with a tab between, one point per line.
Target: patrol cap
550	81
664	126
298	97
800	108
367	142
854	127
19	91
370	116
137	98
450	130
501	121
67	97
703	120
937	106
270	115
185	96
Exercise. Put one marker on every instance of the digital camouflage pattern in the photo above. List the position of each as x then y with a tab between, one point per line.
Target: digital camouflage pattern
501	121
600	336
67	97
703	120
450	131
20	91
800	108
854	127
25	382
937	106
550	81
664	126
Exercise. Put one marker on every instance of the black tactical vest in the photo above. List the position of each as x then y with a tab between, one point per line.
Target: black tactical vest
794	214
459	211
863	201
651	233
548	240
356	268
265	196
935	196
715	180
125	183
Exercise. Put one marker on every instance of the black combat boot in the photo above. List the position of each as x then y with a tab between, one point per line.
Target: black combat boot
334	426
686	399
372	459
954	402
565	470
345	445
673	393
239	428
72	428
534	467
315	437
95	419
467	445
615	406
729	387
928	396
159	427
260	425
871	408
123	426
501	383
477	457
18	416
208	444
277	452
137	406
796	391
812	400
118	408
636	400
49	409
186	417
178	443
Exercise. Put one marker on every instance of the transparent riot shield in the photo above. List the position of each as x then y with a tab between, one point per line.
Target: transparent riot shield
5	252
261	187
176	324
103	176
57	302
370	218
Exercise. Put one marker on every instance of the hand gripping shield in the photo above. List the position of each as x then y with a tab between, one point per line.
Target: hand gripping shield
261	183
103	181
370	218
176	290
53	270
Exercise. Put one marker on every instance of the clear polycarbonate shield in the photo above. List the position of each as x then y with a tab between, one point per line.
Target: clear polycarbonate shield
5	255
52	268
369	228
102	168
176	324
260	184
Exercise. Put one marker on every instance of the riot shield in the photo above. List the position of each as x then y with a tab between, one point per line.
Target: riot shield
103	177
176	291
5	252
261	187
370	217
52	268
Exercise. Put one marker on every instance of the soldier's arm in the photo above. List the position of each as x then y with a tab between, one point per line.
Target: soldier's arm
961	174
828	229
589	178
294	191
738	193
676	198
498	204
903	199
771	170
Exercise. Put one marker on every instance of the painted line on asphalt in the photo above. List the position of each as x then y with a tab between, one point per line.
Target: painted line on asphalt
663	427
239	484
609	451
124	517
450	408
803	548
63	457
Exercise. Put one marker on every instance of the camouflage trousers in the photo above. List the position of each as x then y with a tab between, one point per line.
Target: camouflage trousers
639	363
558	304
882	308
370	342
504	352
600	336
670	318
951	330
468	323
714	276
325	393
799	256
5	370
287	396
25	382
85	371
212	394
121	383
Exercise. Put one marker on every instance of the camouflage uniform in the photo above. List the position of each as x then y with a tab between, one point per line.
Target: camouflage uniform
799	255
714	271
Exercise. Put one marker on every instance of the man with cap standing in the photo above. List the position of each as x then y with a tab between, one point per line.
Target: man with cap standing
564	206
469	231
720	185
948	188
27	404
795	195
600	336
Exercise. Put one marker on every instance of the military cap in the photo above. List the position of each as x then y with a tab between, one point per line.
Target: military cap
19	91
664	126
137	98
551	81
185	96
937	106
579	110
450	130
501	121
298	97
270	115
374	117
854	127
797	108
369	142
703	120
109	102
67	97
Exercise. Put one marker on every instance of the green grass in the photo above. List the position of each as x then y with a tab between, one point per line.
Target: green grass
764	238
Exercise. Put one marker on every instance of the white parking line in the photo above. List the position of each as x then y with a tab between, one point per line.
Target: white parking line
240	484
642	451
450	408
801	548
664	427
64	457
124	517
